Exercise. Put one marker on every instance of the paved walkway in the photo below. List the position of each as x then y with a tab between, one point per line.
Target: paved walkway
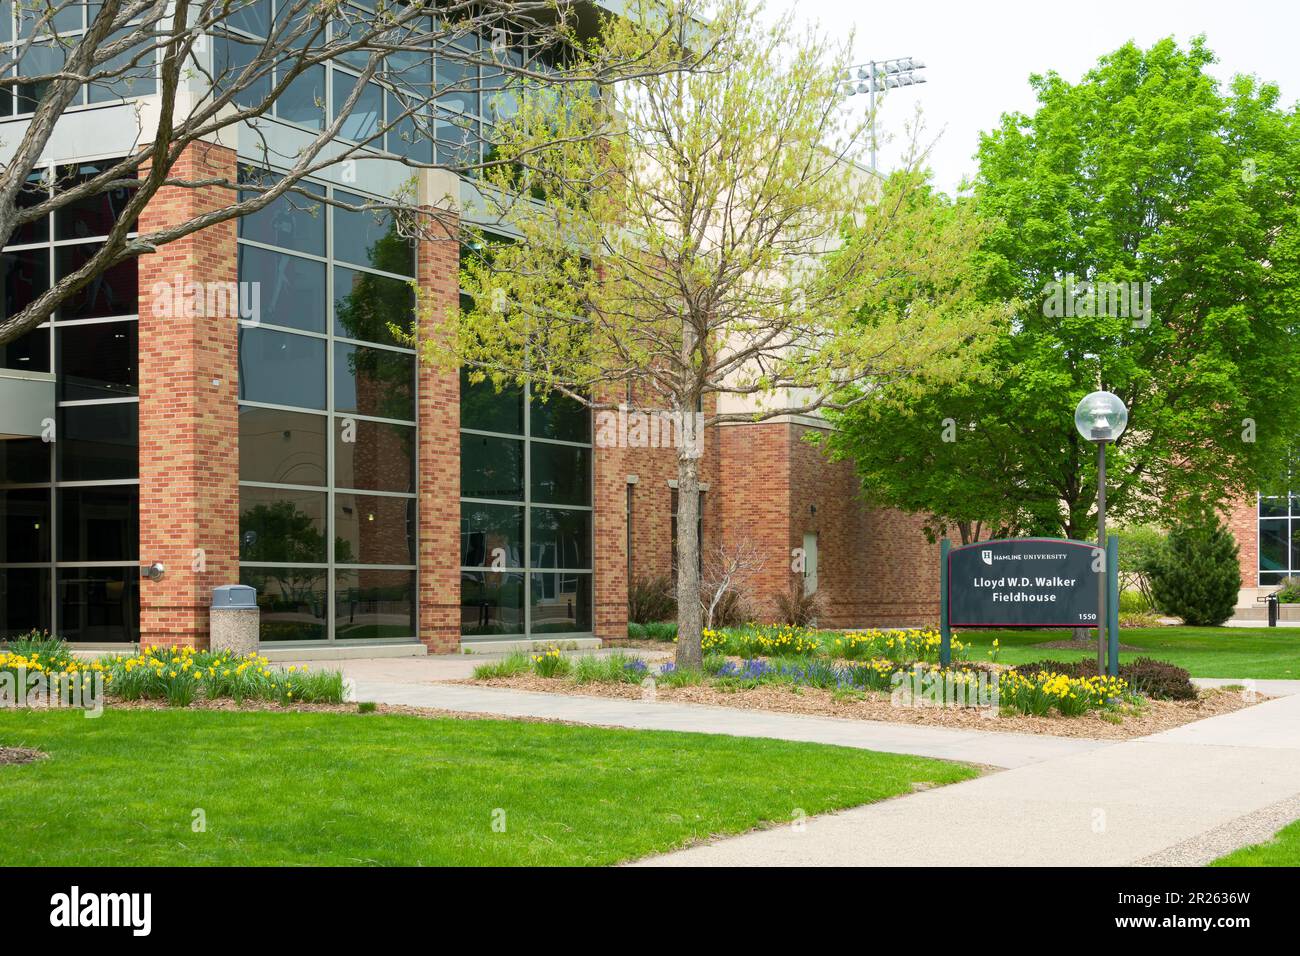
1186	796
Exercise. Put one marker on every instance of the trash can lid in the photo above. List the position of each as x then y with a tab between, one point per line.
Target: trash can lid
234	596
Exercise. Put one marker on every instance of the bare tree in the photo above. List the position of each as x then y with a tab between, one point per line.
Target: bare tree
728	570
194	68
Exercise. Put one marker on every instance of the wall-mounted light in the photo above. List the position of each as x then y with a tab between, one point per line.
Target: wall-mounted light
153	572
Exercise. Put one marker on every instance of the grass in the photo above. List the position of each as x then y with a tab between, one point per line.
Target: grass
303	789
1282	850
1246	652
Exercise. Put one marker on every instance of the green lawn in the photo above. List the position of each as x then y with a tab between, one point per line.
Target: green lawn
1282	850
323	789
1258	652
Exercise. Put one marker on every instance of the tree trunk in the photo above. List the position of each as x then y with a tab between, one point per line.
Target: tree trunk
689	612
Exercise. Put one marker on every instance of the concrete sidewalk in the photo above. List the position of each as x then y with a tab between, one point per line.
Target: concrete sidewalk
973	746
1185	797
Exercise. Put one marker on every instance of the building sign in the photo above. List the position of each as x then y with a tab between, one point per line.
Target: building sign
1023	582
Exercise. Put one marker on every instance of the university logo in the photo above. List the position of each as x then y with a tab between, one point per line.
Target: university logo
987	556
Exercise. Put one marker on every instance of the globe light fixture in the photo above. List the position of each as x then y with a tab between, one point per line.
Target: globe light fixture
1102	417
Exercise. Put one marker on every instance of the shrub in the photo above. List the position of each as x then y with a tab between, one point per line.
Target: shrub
731	611
1196	576
795	608
661	631
1133	602
615	669
1158	679
1140	547
1139	619
366	707
651	599
1289	592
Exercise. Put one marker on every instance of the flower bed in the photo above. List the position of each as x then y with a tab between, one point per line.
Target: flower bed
177	675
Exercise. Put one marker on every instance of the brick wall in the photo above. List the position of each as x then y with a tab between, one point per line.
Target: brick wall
189	429
439	454
1242	518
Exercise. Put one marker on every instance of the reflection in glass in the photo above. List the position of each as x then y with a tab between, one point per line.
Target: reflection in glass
375	382
491	603
1273	544
491	467
370	239
483	408
561	603
293	602
24	460
280	368
98	360
98	442
293	221
374	529
24	601
112	292
24	274
99	524
561	418
282	447
561	474
375	456
561	538
291	290
24	525
281	525
94	215
365	305
303	100
489	531
99	605
375	605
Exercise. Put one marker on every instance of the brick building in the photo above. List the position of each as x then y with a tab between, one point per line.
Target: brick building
285	439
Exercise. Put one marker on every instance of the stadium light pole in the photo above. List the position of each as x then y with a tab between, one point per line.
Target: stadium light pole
876	76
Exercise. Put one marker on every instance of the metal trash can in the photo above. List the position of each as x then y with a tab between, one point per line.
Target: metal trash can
235	619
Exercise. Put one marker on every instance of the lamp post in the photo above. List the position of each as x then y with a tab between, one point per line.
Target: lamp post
1101	417
877	75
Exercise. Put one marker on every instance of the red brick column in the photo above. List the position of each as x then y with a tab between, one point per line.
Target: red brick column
609	562
1242	518
439	452
189	425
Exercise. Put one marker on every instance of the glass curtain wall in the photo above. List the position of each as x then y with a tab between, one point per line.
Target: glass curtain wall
1279	537
70	508
327	422
526	513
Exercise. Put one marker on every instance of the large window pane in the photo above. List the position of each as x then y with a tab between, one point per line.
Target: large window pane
483	408
24	525
294	602
281	447
24	460
410	128
94	215
491	531
1272	507
98	442
560	417
280	368
491	603
365	305
303	100
41	59
33	193
282	526
370	239
99	605
113	292
491	468
99	524
375	456
30	352
561	474
1274	545
375	605
374	529
230	57
250	16
561	603
291	290
561	538
293	221
133	70
98	360
24	275
374	382
364	120
24	601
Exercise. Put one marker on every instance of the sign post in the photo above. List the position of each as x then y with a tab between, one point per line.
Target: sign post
1112	605
945	629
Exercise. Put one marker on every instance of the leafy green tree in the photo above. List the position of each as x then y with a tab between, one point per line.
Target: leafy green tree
1196	575
1140	548
704	249
1144	182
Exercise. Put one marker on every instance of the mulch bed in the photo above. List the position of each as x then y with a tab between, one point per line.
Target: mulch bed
15	755
1155	716
1086	644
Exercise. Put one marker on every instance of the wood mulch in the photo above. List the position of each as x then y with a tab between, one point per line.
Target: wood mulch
15	755
1153	717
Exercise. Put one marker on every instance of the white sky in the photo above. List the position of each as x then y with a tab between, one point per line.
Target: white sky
979	55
